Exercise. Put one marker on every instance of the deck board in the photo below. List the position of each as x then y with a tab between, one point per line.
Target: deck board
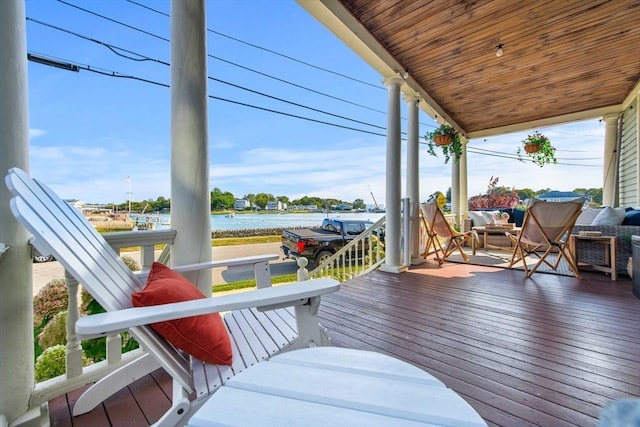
551	350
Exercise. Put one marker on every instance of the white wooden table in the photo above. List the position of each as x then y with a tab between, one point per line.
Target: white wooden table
331	386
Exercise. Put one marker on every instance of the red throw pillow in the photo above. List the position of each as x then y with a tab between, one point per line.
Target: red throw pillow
204	337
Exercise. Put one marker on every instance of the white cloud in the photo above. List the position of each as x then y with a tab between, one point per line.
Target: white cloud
34	133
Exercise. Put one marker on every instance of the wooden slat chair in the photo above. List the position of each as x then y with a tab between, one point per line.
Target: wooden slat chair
545	230
259	324
438	228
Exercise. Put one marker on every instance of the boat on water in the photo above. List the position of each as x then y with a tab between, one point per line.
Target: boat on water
230	215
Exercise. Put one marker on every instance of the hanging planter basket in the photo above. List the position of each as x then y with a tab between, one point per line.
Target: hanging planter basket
539	149
442	140
531	148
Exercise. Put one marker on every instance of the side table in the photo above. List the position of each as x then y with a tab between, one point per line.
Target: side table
609	243
487	231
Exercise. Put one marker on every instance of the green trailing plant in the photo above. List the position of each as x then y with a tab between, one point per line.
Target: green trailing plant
452	150
544	152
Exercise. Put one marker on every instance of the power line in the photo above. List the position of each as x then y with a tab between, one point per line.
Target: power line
141	79
238	65
290	58
114	21
524	159
115	74
141	57
111	47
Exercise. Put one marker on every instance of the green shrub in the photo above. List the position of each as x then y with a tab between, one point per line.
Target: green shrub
50	300
50	363
55	332
96	348
131	263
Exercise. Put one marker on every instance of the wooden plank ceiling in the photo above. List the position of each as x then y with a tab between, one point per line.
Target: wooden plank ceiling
561	57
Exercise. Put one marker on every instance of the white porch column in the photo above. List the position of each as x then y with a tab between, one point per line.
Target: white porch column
393	187
455	189
610	165
16	304
190	194
463	184
413	178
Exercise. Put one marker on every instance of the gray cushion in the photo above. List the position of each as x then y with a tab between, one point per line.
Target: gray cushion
609	216
489	216
477	218
587	216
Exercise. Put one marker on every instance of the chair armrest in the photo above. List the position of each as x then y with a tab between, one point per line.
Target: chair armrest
262	277
287	295
231	262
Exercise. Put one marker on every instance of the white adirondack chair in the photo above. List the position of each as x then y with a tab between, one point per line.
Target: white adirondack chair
260	322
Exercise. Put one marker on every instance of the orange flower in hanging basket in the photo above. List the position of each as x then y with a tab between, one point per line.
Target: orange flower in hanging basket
531	148
441	140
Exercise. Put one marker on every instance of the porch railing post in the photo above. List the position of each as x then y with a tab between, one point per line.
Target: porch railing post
406	231
74	349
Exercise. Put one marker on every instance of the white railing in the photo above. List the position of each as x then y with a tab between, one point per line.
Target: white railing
359	257
76	375
362	254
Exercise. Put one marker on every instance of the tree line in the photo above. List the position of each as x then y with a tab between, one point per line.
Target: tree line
224	200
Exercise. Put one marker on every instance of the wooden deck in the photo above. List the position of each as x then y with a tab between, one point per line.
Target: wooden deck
545	351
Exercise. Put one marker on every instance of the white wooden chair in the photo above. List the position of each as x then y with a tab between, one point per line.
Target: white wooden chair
259	324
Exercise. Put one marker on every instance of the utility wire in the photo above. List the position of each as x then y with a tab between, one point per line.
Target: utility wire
111	47
255	46
131	27
141	57
115	50
127	76
238	65
559	158
212	56
298	105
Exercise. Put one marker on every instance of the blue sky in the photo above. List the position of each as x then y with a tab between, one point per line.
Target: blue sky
88	131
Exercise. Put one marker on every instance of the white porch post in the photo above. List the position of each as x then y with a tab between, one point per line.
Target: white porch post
16	304
190	194
610	165
455	189
392	203
463	184
413	178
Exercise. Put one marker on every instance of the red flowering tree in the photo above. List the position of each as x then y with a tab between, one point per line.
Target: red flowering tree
496	197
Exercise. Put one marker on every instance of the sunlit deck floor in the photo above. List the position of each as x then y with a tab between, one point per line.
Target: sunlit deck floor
545	351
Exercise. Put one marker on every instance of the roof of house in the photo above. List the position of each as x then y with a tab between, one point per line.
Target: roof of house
559	195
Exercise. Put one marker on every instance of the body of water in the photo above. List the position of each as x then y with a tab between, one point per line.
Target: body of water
285	220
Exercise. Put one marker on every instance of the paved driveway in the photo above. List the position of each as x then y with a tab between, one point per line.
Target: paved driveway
43	273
